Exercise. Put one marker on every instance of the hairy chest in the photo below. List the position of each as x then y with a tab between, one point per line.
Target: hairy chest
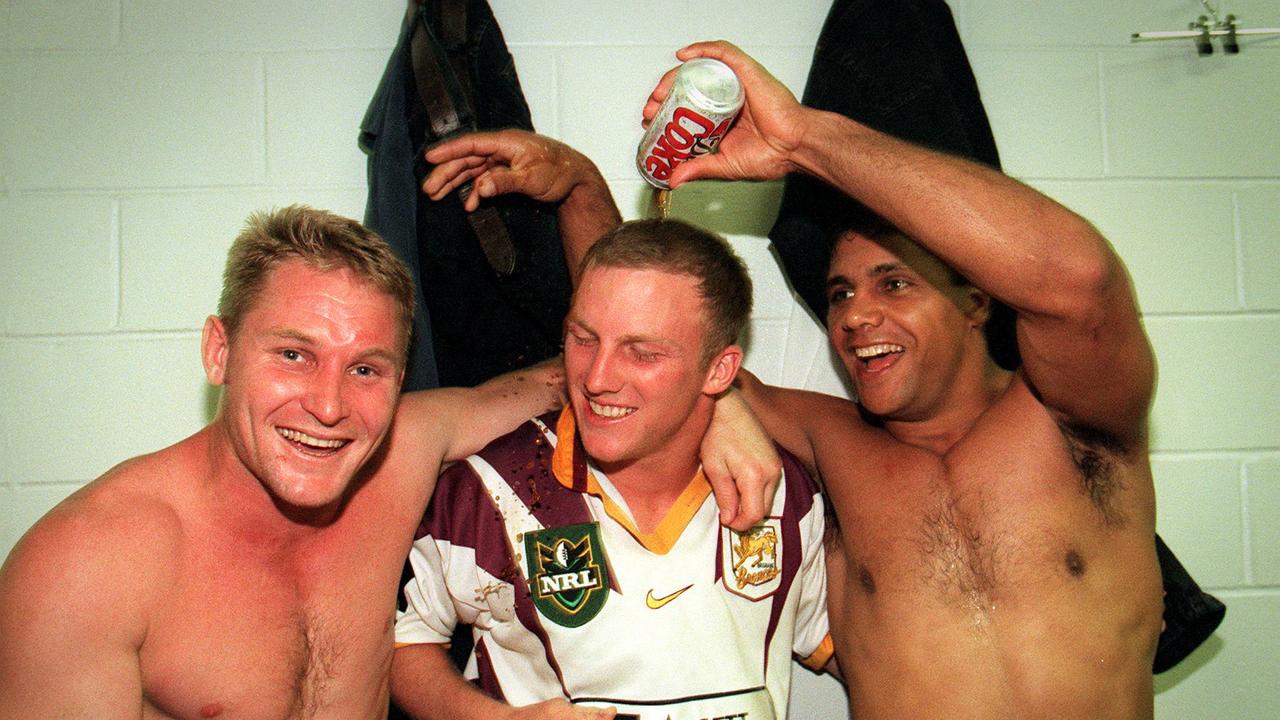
989	522
240	636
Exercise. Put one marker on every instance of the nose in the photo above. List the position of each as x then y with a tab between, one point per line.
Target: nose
325	398
859	311
601	377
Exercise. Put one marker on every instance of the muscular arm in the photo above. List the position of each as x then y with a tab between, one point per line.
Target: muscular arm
70	623
739	460
425	684
794	418
444	424
1083	348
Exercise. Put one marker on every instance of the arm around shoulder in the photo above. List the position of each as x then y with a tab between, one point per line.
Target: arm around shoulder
445	424
794	418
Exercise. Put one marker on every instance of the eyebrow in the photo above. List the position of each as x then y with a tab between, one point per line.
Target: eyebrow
630	339
292	334
876	271
299	336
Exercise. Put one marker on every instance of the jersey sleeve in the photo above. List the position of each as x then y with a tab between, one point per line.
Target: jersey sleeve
443	590
812	641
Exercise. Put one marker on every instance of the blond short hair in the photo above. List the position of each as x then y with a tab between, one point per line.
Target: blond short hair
677	247
324	241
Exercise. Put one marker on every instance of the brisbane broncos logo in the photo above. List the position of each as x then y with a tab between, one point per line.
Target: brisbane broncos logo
752	560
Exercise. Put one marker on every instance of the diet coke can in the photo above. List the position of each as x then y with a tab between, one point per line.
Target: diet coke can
705	98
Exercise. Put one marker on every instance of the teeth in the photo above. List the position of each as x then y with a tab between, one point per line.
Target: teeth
610	411
874	350
306	439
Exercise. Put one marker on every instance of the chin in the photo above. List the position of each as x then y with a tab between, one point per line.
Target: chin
602	452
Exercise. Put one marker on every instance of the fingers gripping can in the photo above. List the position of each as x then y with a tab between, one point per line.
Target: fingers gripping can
704	99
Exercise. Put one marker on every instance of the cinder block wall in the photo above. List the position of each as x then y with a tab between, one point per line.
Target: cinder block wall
135	135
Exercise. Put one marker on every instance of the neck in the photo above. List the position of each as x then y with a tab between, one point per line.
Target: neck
651	485
972	393
245	508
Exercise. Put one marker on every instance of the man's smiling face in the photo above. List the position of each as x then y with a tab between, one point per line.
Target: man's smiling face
899	323
635	363
312	378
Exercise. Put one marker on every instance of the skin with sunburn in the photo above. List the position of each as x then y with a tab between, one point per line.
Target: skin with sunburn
247	571
995	556
250	570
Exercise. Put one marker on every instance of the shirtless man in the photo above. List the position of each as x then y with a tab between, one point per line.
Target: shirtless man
250	570
996	556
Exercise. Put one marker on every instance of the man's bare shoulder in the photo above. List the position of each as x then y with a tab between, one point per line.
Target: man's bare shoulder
112	538
79	590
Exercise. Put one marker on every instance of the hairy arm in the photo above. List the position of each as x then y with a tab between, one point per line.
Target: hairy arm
1084	351
445	424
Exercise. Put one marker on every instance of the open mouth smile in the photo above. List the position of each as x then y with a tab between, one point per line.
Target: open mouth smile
878	356
609	411
310	443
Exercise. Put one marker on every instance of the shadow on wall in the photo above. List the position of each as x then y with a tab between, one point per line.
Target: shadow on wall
1202	656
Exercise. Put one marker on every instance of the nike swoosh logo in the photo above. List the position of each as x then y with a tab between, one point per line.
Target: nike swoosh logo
656	602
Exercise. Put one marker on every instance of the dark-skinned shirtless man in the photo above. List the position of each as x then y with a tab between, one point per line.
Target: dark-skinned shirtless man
995	557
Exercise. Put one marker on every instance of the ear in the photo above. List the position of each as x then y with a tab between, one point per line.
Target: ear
979	309
724	368
213	350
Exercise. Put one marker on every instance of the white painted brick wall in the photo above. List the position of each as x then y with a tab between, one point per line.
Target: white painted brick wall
135	135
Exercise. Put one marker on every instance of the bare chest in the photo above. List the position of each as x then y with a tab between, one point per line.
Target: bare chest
968	530
241	636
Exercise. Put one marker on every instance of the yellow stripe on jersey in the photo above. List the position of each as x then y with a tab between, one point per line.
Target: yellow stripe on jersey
664	536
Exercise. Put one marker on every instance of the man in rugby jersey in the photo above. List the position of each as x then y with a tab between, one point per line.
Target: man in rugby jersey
584	548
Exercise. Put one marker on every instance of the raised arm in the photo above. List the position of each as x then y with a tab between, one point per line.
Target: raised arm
1083	347
517	161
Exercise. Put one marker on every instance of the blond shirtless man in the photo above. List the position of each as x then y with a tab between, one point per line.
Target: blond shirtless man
995	557
250	570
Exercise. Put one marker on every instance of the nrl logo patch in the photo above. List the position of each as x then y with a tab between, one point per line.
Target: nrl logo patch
752	560
568	578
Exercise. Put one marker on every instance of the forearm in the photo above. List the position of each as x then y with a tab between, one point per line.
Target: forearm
426	685
773	407
499	405
586	214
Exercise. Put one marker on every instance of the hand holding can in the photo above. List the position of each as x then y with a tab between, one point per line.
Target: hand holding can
704	100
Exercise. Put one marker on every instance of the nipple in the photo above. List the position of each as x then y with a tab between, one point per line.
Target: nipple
211	710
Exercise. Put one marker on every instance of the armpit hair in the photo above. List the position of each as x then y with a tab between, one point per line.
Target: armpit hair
1095	453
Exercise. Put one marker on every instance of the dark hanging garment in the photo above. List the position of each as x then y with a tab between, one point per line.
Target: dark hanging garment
493	286
900	67
1190	614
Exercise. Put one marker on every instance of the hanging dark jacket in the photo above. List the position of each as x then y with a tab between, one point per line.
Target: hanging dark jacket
472	322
